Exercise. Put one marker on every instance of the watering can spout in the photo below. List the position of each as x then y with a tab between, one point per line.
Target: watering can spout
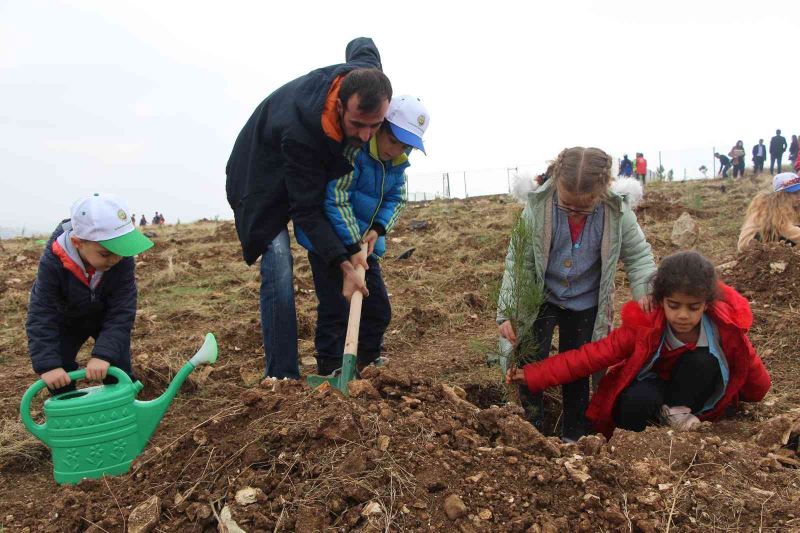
149	413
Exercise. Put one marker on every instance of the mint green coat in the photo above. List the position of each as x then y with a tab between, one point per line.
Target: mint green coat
623	240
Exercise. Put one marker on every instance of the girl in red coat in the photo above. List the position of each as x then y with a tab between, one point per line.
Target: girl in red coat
686	361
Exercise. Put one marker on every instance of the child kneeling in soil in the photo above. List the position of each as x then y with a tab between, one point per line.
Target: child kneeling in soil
774	216
686	361
85	287
581	230
362	207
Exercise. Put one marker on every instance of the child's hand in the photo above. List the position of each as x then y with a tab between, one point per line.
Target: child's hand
96	369
370	239
507	331
515	375
647	303
56	378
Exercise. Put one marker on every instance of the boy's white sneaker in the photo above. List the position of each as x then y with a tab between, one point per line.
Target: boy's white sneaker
679	418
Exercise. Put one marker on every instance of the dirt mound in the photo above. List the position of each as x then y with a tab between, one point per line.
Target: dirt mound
412	454
767	274
659	207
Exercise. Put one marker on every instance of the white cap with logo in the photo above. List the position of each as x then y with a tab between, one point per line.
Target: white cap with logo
104	218
786	182
408	120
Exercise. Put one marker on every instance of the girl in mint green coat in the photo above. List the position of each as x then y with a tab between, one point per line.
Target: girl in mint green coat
581	231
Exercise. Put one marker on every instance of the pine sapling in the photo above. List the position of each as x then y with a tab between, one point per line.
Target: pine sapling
520	296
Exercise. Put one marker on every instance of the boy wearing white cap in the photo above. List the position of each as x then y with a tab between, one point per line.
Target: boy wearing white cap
363	206
85	287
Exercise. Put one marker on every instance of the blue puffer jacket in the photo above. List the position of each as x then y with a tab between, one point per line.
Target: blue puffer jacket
61	303
371	196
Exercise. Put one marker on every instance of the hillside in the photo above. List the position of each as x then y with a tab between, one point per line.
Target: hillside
428	426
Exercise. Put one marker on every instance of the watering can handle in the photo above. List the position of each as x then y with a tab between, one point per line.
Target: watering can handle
38	430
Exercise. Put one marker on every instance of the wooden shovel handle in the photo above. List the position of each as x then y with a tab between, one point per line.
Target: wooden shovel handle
354	320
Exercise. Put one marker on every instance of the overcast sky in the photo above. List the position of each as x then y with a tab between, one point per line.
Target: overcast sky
145	99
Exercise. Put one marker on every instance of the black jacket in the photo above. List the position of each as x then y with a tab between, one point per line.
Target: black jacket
60	303
755	152
777	145
282	161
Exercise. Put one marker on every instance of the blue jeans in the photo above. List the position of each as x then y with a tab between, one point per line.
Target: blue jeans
278	315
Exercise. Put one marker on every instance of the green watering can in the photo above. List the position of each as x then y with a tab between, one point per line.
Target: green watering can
100	430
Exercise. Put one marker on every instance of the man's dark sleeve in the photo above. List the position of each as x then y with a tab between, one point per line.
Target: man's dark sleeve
306	181
114	341
44	320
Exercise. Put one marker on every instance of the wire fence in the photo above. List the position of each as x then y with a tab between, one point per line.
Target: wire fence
663	165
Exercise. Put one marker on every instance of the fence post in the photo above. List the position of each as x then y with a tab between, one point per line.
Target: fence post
713	162
466	194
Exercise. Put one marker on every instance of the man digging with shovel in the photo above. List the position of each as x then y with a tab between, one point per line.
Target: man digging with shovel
299	138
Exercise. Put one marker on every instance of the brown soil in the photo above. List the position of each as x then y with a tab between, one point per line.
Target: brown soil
422	444
768	274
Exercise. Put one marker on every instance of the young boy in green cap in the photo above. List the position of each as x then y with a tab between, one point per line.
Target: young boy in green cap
85	288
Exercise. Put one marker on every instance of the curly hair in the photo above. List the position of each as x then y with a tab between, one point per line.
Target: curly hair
687	272
773	211
582	170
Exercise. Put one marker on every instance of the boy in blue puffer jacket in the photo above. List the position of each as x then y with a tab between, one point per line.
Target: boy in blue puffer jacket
363	206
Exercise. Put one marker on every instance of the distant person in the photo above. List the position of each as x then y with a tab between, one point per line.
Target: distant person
142	221
689	360
793	147
133	219
155	219
364	206
582	229
641	167
774	216
777	145
737	155
299	138
625	167
85	288
759	156
724	164
161	219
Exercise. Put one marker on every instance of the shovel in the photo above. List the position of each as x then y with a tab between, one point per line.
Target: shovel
344	375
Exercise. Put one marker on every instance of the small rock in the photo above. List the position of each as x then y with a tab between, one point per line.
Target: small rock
247	495
685	231
454	507
383	442
418	225
485	514
372	508
362	388
145	516
308	361
200	437
778	267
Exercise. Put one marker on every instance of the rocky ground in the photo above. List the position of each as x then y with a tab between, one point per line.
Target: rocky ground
424	443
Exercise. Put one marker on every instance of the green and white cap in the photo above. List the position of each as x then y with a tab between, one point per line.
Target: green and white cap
104	218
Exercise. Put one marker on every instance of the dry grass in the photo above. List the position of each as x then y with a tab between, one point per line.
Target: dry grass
18	448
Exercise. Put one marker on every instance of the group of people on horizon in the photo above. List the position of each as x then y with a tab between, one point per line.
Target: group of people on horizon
627	167
328	151
777	147
157	220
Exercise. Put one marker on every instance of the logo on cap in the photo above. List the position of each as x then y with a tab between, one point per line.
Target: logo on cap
421	120
121	215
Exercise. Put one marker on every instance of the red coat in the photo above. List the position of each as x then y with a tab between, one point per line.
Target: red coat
641	165
628	348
